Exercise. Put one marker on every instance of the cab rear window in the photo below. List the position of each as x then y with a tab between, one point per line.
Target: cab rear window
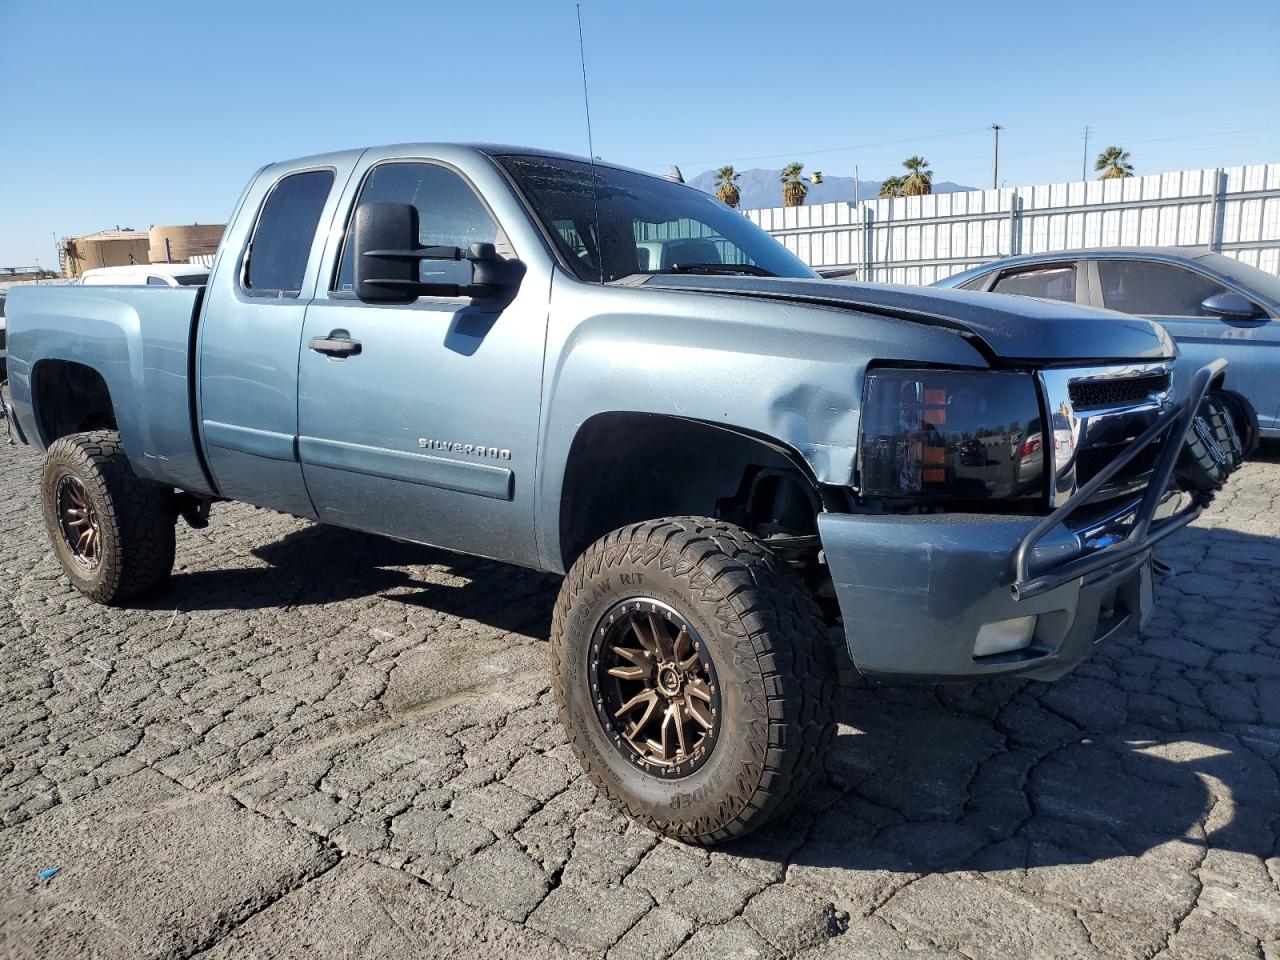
283	235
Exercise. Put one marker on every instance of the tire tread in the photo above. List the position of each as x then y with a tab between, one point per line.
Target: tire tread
775	621
139	510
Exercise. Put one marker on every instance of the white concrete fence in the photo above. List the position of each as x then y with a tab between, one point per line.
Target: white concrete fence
1234	210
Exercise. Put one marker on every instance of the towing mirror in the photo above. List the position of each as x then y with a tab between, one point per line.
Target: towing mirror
1230	306
382	229
387	255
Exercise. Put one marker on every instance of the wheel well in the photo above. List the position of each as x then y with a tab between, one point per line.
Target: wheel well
628	467
70	398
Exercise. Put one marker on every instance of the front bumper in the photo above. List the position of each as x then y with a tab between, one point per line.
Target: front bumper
914	591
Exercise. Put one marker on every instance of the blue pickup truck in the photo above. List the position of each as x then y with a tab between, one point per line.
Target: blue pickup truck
585	369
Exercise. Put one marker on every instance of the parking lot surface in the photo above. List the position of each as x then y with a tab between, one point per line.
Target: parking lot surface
320	744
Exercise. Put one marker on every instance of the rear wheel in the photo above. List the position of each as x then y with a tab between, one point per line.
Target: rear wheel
693	676
112	531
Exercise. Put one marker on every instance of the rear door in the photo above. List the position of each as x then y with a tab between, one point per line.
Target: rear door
249	334
1171	294
429	433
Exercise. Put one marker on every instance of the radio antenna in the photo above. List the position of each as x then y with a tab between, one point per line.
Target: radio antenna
591	147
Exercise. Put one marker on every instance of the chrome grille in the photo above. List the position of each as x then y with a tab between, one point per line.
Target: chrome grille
1094	413
1090	394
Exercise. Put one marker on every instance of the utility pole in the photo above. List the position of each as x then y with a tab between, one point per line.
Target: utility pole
995	157
857	187
1084	160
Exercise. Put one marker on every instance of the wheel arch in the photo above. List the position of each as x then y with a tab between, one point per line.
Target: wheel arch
69	397
624	467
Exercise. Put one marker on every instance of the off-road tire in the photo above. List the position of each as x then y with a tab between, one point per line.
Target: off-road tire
770	650
1244	417
135	516
1211	451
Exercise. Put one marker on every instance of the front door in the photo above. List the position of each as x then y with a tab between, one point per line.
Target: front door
428	432
1171	295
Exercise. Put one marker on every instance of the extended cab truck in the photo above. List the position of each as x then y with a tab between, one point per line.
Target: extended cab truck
477	347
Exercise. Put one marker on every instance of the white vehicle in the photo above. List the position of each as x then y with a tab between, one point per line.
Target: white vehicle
4	353
151	274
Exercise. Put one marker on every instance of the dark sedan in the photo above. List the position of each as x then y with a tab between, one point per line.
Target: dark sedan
1214	306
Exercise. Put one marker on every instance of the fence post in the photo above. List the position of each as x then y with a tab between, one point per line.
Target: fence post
868	246
1217	209
1015	213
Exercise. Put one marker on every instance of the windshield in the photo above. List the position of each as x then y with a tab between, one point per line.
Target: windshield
1263	284
647	224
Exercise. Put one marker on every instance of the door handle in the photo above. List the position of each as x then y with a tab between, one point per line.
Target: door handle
337	344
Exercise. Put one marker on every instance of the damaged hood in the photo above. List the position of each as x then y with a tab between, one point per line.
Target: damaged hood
1003	327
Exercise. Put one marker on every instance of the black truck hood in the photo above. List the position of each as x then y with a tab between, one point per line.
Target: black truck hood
1005	327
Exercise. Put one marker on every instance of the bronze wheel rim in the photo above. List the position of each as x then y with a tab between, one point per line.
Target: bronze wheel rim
78	521
654	687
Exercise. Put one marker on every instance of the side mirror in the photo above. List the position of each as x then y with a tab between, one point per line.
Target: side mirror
1230	306
387	257
383	235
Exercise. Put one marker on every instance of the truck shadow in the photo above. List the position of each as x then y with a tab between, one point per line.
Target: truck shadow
1163	743
916	785
322	564
1158	747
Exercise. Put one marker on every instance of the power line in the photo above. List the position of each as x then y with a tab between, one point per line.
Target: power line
1192	140
805	153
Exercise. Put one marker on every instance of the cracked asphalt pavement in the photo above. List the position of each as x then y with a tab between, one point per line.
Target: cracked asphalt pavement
320	744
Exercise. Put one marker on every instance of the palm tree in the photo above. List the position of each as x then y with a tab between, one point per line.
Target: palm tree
726	187
920	180
794	187
1113	164
891	187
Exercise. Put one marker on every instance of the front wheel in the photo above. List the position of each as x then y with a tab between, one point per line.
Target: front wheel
693	676
112	531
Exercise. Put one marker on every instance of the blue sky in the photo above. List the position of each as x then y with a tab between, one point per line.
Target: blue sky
135	113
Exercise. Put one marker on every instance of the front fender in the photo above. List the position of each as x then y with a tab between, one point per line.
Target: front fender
788	373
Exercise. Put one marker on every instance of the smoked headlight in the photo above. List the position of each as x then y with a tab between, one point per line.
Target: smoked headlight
951	435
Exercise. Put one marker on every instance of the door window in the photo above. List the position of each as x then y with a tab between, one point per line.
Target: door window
1153	289
449	215
154	281
1057	282
282	237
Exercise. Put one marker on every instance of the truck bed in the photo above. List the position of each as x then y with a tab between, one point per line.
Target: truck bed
140	339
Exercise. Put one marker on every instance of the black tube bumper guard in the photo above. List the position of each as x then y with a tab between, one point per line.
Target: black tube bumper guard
1144	533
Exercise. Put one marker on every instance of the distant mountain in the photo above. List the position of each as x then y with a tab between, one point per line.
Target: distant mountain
761	188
